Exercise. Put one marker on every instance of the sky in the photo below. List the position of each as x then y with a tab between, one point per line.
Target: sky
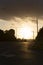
10	8
14	13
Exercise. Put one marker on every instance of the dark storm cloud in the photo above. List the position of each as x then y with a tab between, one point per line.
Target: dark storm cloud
11	8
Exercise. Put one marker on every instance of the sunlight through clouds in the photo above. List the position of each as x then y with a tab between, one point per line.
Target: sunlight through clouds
20	24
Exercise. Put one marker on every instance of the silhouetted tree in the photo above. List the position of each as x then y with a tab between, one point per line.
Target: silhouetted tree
39	40
40	35
10	35
1	35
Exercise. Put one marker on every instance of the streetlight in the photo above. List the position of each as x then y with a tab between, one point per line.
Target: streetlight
33	34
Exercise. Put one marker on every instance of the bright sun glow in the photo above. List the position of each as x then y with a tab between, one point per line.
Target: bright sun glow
25	32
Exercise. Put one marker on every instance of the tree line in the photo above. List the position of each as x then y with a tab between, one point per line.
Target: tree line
7	35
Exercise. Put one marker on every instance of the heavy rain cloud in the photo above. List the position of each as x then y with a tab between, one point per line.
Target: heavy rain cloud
20	8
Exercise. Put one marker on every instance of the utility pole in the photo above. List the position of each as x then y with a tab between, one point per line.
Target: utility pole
37	24
36	21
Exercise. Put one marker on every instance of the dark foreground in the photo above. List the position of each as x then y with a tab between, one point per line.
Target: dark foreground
12	53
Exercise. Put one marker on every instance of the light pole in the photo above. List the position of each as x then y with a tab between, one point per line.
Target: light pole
33	34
